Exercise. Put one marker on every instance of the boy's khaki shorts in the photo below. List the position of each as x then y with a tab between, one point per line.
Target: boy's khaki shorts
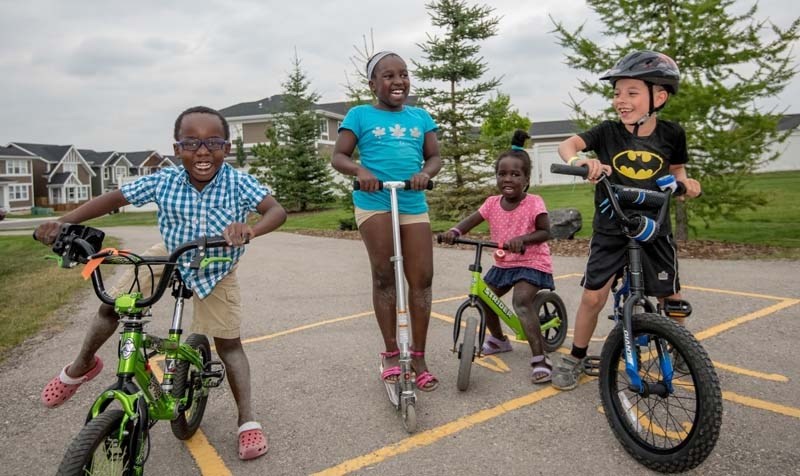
405	219
217	315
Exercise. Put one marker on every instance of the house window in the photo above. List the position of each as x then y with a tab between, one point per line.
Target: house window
17	167
18	192
70	194
106	173
120	172
323	129
71	167
83	193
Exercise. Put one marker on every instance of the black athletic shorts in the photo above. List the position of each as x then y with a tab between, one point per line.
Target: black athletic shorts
608	255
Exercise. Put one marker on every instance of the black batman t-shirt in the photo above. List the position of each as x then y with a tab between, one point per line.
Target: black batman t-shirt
635	161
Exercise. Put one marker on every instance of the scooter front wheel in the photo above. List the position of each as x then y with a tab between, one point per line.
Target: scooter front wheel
410	417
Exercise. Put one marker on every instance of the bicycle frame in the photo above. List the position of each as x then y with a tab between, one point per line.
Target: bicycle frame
479	291
637	228
134	364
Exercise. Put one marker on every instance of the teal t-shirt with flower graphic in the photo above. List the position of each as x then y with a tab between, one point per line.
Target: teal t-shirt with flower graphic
390	146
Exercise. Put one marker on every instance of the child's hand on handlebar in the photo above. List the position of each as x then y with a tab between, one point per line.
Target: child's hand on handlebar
448	237
596	168
693	188
47	232
238	234
367	182
419	181
516	245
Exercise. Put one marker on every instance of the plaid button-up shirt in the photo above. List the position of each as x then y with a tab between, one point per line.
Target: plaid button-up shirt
186	214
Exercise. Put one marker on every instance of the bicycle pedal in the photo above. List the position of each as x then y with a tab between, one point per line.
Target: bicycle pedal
213	374
591	365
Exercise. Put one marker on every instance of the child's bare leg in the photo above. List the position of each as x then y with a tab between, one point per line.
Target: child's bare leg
592	302
376	234
524	294
492	321
237	371
102	327
418	268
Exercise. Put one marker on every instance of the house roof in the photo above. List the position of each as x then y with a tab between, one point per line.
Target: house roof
9	151
60	178
50	153
789	121
138	158
553	128
95	158
274	104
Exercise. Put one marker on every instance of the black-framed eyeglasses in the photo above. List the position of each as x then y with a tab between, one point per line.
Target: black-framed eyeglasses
212	143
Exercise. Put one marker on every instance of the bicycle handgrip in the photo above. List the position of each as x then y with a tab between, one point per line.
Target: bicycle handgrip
565	169
357	185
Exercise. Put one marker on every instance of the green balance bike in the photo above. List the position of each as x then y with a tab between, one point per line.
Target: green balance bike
547	305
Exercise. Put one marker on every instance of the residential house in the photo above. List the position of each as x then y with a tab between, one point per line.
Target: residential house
16	179
62	180
146	162
789	151
109	168
545	137
250	121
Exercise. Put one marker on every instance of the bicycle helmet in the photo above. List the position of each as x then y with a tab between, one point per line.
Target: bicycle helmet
649	66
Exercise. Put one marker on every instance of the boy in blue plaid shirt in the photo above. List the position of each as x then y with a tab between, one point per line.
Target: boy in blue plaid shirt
203	197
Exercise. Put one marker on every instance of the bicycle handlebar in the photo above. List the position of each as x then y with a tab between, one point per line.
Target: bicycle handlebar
636	226
467	241
404	184
80	244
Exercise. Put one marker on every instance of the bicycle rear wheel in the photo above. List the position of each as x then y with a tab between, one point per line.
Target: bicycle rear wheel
667	431
548	306
105	446
189	377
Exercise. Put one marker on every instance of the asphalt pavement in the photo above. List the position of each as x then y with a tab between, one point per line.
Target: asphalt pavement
313	346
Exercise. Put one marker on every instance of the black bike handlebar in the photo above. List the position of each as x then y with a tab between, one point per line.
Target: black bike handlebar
467	241
357	185
79	244
634	225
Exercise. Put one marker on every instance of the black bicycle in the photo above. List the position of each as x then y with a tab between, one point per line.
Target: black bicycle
667	416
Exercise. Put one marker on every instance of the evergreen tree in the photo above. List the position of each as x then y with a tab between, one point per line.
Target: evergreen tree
728	63
241	155
500	123
456	102
289	161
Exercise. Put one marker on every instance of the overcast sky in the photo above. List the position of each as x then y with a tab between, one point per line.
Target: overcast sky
113	75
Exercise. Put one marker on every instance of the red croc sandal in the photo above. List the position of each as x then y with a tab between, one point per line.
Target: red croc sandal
63	387
252	441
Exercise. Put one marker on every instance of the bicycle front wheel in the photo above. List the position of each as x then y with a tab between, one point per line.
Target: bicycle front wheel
189	380
105	446
673	424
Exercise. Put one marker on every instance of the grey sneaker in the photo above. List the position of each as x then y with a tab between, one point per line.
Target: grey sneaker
566	372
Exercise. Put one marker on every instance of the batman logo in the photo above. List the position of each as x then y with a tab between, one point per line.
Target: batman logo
637	164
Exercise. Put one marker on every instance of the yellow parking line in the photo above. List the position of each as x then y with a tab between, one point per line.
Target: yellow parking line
761	404
719	328
737	293
205	455
306	327
430	436
751	373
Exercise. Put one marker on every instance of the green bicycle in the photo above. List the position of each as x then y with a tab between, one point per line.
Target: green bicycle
116	440
547	305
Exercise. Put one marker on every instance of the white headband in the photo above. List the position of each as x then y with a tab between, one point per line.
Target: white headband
375	60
